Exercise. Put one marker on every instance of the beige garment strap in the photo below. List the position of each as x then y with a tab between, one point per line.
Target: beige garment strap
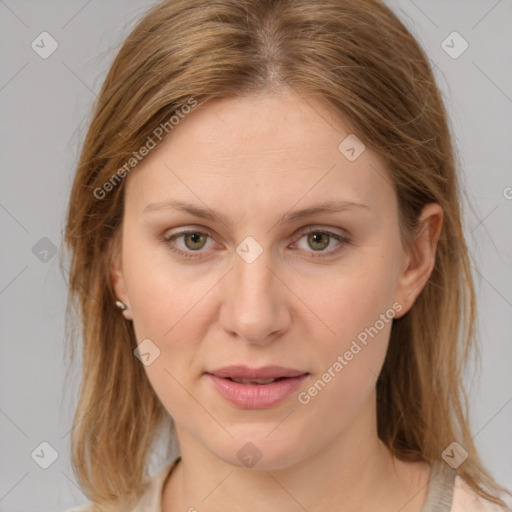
440	488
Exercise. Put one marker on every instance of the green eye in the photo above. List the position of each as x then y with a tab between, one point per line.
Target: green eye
195	240
319	239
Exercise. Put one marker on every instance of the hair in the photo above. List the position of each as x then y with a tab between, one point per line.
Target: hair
360	60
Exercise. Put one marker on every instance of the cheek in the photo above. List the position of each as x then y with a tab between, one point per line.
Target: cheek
356	296
358	312
166	306
161	296
350	360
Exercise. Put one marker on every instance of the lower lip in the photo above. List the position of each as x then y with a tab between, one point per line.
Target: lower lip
256	396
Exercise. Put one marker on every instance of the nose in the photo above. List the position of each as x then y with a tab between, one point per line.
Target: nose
255	302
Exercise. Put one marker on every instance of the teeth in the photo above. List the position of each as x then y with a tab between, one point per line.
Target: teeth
252	381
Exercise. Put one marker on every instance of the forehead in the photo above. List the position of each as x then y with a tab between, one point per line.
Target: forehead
265	127
263	151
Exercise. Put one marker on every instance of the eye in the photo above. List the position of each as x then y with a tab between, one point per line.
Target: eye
319	239
195	240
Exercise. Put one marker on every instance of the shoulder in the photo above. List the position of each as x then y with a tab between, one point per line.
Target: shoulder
466	500
150	500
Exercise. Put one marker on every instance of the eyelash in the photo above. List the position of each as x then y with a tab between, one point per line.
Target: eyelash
190	254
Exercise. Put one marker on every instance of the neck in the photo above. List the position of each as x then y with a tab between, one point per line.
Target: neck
352	472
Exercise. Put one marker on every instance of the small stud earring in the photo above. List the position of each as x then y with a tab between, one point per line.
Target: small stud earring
121	305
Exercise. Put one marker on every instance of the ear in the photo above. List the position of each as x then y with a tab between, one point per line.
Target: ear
420	258
116	275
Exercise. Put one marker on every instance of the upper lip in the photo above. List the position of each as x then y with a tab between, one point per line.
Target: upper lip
265	372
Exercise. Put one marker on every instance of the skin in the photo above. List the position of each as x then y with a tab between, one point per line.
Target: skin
252	159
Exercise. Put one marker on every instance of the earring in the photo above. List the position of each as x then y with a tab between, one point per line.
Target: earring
121	305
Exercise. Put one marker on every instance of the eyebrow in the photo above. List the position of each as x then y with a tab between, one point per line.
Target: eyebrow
291	216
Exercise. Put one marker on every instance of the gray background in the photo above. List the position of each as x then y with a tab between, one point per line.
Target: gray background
44	110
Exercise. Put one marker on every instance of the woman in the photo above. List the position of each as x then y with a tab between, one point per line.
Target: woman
270	269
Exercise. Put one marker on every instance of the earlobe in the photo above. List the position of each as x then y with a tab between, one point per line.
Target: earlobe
421	257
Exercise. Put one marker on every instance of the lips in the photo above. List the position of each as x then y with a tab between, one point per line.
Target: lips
260	388
241	373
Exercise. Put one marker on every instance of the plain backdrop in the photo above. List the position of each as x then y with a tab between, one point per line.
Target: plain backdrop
44	111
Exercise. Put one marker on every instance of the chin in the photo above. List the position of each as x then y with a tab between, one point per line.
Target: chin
256	451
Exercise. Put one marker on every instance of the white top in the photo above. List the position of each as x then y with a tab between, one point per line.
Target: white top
447	492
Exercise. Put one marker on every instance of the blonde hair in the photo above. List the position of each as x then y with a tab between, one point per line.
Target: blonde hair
358	58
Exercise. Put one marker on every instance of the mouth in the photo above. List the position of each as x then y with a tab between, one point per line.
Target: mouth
256	388
263	373
250	382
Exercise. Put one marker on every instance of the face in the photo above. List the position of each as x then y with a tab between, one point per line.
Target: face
257	286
